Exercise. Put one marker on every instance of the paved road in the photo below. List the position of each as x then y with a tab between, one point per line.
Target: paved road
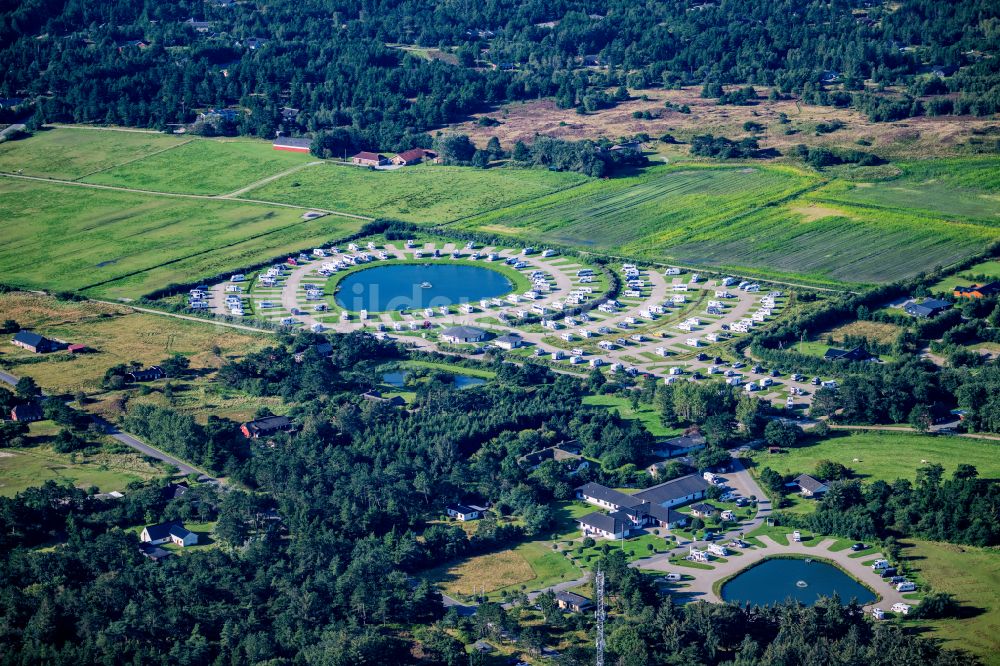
132	441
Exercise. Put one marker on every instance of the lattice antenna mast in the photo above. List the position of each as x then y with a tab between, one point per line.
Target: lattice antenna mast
600	618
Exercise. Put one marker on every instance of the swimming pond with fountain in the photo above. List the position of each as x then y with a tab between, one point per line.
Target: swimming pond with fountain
776	579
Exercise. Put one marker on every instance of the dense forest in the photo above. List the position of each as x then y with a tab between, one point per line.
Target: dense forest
323	533
322	64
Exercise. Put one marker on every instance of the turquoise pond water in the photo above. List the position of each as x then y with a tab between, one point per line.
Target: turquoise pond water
397	287
397	379
775	580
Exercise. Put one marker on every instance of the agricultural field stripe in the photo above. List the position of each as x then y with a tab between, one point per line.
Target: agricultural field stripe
914	212
178	195
195	254
511	205
134	160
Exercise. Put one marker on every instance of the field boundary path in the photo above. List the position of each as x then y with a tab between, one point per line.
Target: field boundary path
268	179
134	442
180	195
104	129
134	159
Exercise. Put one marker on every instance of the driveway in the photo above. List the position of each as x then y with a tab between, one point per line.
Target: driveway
135	443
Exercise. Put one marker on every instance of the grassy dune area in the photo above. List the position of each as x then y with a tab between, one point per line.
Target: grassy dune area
203	166
424	194
68	153
65	237
34	464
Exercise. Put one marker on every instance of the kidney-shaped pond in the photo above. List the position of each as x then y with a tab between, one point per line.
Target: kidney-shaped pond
409	286
775	580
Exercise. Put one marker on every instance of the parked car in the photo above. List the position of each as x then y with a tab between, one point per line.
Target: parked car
858	546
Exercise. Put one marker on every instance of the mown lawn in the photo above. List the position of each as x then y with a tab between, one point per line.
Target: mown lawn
972	575
646	414
425	194
203	166
72	153
886	456
122	244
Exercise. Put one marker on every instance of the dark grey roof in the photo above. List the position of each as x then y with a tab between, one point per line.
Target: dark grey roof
807	482
162	530
927	308
179	531
465	509
692	440
673	490
664	515
31	339
268	424
29	411
573	599
605	522
293	142
463	332
599	492
704	507
509	337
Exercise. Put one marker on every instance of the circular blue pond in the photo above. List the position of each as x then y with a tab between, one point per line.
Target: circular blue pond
775	580
418	286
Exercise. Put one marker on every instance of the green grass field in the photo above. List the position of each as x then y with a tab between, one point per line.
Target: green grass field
425	194
68	153
887	456
203	166
646	414
33	465
123	244
972	575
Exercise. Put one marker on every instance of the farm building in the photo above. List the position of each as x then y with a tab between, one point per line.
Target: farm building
413	156
365	158
978	290
34	342
292	144
460	334
26	413
150	374
266	426
173	532
929	307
